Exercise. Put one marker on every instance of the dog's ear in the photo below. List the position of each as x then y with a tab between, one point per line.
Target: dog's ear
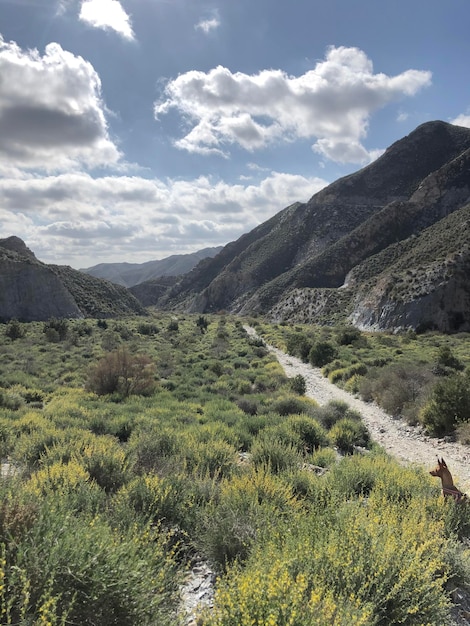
443	463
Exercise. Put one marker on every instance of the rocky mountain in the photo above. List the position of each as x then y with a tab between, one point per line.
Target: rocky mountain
130	274
33	291
354	251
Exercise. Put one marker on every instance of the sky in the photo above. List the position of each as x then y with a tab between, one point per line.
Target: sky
132	130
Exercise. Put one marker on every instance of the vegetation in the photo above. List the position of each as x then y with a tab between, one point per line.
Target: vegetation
424	378
130	447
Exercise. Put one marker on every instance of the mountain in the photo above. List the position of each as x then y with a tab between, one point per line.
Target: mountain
130	274
33	291
350	252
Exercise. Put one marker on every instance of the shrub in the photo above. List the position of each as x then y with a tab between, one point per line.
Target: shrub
149	496
14	330
10	399
173	326
290	405
106	463
215	457
310	433
56	329
396	387
155	450
120	372
332	412
445	358
202	324
324	457
348	433
270	451
299	345
322	353
448	406
298	384
241	509
80	570
348	335
59	478
148	329
248	406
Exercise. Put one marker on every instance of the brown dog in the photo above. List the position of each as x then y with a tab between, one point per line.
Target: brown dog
449	490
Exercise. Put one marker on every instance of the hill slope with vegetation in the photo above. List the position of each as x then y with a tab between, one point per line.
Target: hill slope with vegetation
140	445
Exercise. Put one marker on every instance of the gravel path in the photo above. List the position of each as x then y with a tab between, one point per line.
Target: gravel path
406	443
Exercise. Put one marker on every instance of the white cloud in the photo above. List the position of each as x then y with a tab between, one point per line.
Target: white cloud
107	15
462	120
125	218
330	104
51	112
209	24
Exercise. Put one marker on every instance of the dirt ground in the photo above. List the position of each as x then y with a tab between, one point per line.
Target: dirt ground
408	444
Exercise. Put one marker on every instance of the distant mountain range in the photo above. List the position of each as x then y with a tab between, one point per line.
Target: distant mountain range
385	248
130	274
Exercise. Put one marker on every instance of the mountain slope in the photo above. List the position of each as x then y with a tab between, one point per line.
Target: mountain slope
317	243
418	181
422	282
33	291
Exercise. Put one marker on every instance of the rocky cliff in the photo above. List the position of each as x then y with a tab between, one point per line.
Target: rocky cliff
33	291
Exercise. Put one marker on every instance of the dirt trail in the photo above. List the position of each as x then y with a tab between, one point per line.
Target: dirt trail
406	443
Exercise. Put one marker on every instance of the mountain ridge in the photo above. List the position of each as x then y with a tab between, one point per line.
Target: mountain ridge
131	274
418	181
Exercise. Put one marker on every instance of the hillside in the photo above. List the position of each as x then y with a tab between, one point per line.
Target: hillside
33	291
419	181
131	274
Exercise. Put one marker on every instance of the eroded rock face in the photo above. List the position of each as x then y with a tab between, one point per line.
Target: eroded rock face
33	291
445	307
30	290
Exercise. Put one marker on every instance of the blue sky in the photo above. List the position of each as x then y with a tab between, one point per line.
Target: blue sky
135	129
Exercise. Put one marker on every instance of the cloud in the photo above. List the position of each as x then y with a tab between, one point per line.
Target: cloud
107	15
330	105
462	120
208	25
138	219
51	112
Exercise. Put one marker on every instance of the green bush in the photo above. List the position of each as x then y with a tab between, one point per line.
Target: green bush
291	405
56	329
105	461
75	569
299	345
321	353
311	435
271	451
445	358
242	508
15	330
298	384
332	412
348	433
448	406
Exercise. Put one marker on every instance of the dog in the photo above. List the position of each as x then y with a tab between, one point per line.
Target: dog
449	490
